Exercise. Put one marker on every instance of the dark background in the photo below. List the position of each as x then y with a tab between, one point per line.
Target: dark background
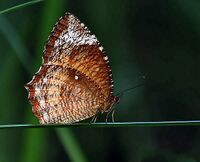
148	41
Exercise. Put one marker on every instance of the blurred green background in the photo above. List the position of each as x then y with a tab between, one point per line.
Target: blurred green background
151	39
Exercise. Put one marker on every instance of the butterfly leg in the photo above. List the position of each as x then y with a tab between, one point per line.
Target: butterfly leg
112	111
94	119
113	118
107	115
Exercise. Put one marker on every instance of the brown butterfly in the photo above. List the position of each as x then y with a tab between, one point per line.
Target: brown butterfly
75	81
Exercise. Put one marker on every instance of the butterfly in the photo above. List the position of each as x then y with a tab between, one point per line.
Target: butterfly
75	80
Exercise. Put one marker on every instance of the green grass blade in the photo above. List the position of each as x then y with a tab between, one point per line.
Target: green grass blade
34	142
70	144
15	41
20	6
109	125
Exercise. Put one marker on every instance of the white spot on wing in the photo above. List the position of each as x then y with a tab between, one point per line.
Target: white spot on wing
45	80
82	25
45	117
101	48
76	77
37	91
106	58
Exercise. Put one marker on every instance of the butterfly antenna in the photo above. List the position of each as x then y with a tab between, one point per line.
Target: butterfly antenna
129	89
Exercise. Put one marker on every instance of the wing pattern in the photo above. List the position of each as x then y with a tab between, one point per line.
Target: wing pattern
75	81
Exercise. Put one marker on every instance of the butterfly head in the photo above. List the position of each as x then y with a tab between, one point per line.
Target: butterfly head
116	99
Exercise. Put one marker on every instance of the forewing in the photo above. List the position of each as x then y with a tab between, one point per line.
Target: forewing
72	45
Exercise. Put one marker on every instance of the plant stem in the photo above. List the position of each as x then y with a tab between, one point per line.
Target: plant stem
20	6
115	124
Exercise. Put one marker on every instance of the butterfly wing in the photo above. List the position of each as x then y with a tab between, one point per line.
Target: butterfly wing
72	45
74	82
57	96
